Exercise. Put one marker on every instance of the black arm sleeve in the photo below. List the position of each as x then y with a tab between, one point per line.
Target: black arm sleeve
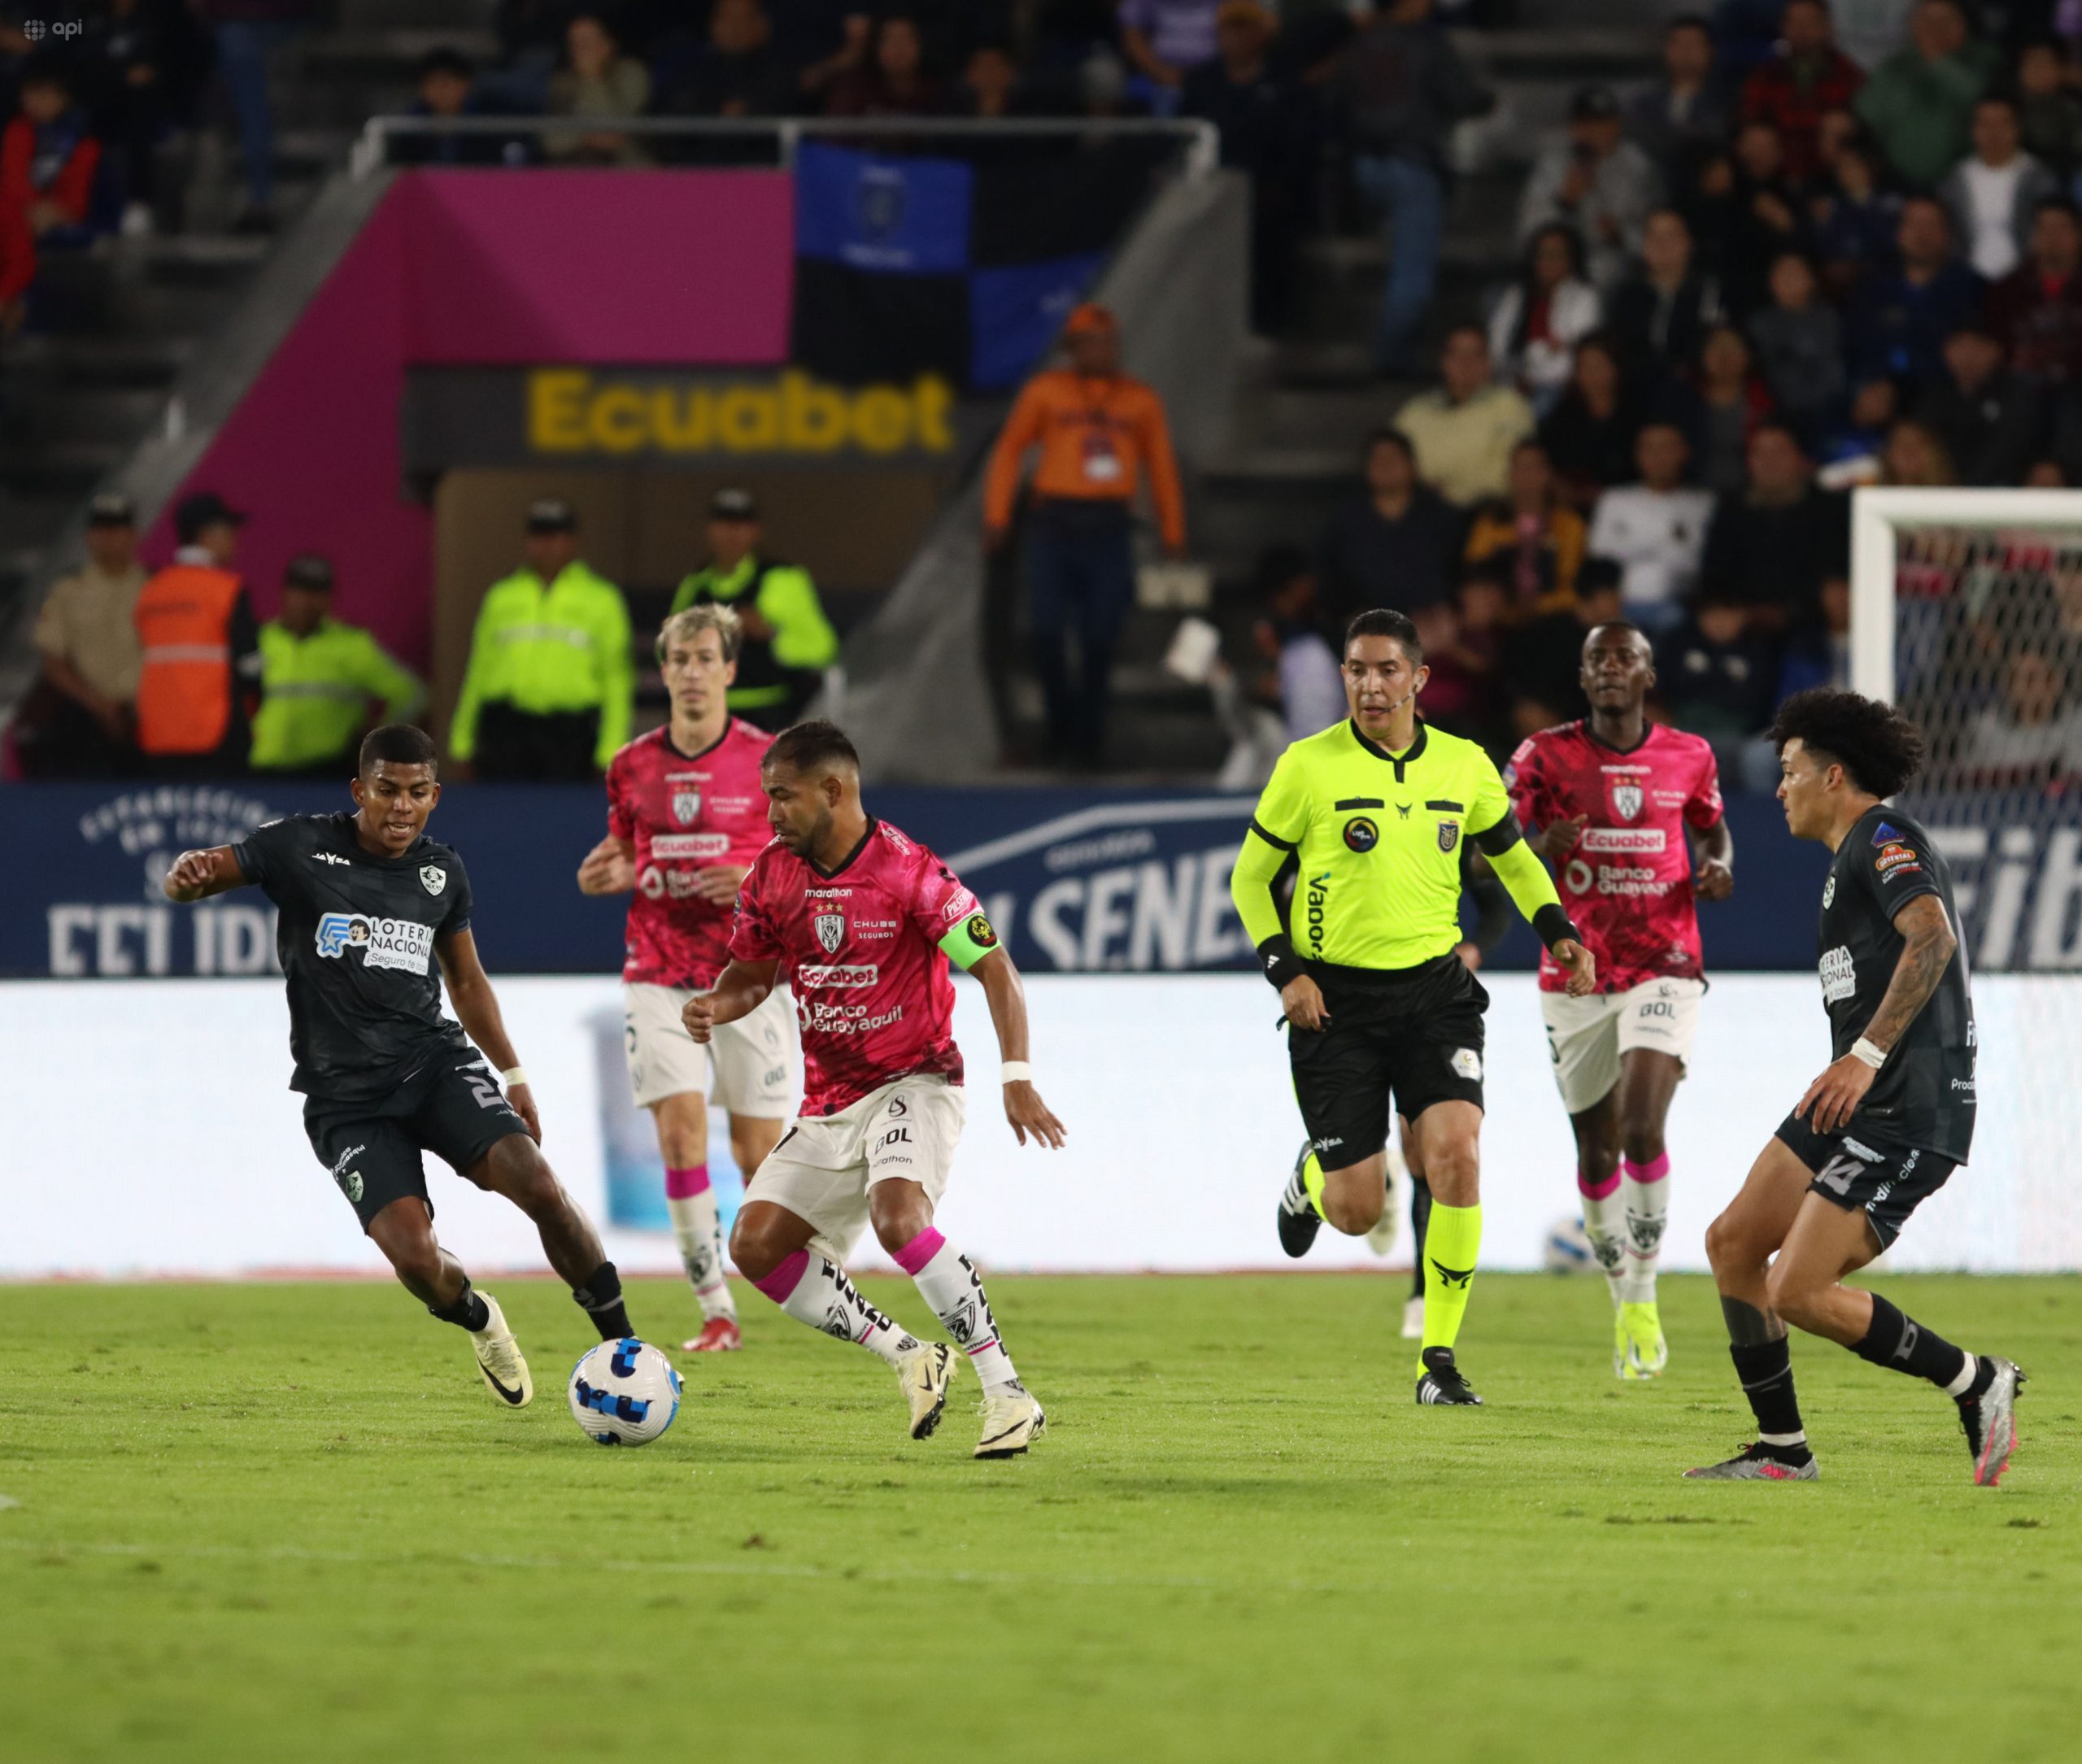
1499	836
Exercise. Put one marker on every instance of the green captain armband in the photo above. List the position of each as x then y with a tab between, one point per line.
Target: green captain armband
970	942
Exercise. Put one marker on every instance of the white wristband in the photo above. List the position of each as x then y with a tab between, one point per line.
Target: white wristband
517	1075
1874	1056
1015	1072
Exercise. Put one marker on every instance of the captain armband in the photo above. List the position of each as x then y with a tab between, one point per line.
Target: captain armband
970	941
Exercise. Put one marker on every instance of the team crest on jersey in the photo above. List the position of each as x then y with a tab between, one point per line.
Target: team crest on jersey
1829	893
686	806
1626	800
830	929
433	878
1449	834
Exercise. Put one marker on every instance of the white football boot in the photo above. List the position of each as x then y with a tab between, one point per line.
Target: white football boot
1011	1421
923	1376
499	1358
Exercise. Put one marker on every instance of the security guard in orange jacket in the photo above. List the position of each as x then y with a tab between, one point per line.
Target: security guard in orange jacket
200	662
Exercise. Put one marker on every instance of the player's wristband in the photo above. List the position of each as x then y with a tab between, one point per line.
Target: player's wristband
515	1075
1281	965
1872	1055
1552	923
1015	1072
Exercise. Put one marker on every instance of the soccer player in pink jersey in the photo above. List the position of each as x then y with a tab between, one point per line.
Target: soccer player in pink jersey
1613	794
865	922
686	815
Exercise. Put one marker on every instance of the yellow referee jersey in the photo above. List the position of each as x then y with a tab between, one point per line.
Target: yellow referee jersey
1378	838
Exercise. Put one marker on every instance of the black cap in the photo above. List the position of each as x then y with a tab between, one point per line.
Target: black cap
1593	104
307	569
551	514
111	508
734	505
204	509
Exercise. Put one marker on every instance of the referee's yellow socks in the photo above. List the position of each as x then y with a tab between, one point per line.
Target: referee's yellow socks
1452	1241
1312	1180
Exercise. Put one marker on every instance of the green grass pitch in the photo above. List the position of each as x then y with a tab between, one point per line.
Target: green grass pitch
288	1521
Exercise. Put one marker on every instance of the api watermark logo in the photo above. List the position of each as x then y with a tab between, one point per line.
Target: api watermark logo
61	30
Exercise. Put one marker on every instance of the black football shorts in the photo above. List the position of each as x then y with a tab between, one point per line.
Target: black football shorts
1861	1173
453	1110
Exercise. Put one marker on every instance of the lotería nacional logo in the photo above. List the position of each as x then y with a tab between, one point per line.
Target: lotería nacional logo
400	943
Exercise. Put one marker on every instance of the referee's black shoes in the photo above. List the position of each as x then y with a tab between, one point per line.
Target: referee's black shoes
1298	1220
1442	1381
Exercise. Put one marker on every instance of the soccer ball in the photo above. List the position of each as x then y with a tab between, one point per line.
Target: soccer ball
624	1393
1568	1247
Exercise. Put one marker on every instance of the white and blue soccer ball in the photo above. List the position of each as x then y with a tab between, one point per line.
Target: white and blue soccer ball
1567	1249
624	1393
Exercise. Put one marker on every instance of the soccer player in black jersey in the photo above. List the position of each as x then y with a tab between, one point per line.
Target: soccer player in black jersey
1884	1125
369	907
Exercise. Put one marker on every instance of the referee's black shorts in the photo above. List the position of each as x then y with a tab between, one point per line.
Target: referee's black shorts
1398	1041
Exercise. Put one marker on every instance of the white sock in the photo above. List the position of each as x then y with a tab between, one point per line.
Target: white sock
948	1281
1605	1227
698	1227
1644	1200
814	1291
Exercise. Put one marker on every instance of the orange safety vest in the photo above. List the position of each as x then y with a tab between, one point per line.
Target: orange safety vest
184	625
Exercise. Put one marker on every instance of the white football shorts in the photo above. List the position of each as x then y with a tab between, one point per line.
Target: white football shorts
756	1068
1586	1036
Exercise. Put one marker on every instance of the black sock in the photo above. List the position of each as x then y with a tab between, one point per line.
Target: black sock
1420	1217
1901	1344
600	1299
469	1312
1766	1369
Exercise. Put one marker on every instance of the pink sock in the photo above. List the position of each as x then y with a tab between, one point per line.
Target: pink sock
819	1294
1599	1190
685	1184
919	1251
948	1281
783	1281
1653	1171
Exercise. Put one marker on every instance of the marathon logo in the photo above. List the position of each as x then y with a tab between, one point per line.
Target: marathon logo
571	411
402	943
1622	840
682	846
844	976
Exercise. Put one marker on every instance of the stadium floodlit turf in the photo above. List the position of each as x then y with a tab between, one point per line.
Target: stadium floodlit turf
289	1521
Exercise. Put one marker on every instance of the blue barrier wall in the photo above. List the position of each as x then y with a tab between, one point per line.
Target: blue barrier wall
1079	879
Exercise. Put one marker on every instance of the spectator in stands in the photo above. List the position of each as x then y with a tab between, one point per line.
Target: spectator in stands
1655	530
1402	87
140	68
1165	40
1099	433
1820	656
199	658
1459	696
1993	194
1919	102
1303	682
1684	115
1854	220
1543	316
448	87
1990	418
1718	672
1544	656
252	35
992	84
47	159
1660	317
1720	408
1799	341
2036	309
88	643
1765	216
597	80
1534	532
1775	543
1397	545
1869	31
323	685
786	644
1848	453
1484	606
1913	458
1267	134
2049	111
735	72
1595	180
1808	77
2034	735
1463	432
894	80
1901	318
1589	434
548	694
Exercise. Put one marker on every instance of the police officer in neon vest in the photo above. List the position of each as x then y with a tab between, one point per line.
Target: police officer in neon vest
323	685
787	642
551	678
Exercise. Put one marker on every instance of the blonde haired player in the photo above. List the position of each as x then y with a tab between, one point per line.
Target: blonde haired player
685	818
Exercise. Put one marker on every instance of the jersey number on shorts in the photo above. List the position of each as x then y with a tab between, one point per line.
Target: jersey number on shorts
485	1087
1841	1172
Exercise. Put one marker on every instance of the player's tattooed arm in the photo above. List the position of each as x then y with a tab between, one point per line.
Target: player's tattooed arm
1927	946
739	991
196	875
1928	943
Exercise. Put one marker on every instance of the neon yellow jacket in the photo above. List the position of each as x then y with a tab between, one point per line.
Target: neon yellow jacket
547	649
785	668
315	692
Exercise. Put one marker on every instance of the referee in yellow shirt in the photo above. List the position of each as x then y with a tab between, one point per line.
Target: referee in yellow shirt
1378	1005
